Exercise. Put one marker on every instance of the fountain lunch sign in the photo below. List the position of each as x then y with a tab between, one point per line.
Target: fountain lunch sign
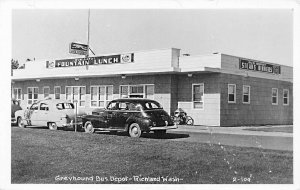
260	67
99	60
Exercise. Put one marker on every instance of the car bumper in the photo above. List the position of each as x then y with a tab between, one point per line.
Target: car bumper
72	124
163	128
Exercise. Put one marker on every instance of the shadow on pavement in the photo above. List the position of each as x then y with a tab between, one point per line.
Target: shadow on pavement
148	135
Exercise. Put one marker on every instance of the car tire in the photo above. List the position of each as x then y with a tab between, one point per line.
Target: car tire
189	121
52	126
160	133
20	122
88	127
135	130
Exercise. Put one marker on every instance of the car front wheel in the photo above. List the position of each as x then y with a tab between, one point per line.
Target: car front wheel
20	122
52	126
88	127
135	130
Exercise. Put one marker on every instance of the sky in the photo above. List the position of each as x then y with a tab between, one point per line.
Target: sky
261	34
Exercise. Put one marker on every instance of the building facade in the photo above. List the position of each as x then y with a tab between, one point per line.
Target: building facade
215	89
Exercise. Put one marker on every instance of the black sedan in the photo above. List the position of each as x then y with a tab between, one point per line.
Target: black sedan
132	115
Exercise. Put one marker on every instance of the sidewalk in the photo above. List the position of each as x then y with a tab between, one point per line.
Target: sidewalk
236	130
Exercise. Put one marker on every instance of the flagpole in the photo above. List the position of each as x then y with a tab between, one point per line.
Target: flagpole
88	40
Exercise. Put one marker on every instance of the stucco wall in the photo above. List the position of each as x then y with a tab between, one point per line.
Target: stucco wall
210	114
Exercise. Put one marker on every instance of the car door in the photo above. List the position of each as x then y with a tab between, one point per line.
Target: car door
111	114
32	114
121	115
43	114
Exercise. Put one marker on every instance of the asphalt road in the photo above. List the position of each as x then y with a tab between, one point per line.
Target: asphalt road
264	142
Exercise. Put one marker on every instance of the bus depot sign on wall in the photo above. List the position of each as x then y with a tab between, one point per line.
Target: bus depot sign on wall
260	67
76	48
100	60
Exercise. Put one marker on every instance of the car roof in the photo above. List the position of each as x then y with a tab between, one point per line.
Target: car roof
135	100
50	101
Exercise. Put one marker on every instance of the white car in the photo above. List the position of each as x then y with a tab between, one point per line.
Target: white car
50	113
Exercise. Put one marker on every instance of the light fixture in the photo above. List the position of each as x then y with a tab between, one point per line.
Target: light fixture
123	76
37	80
190	74
76	78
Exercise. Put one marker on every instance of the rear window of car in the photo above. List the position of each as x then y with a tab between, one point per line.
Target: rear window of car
152	105
62	106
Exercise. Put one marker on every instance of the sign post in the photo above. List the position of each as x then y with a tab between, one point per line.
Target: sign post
75	101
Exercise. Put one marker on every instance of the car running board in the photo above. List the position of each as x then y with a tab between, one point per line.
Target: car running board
108	129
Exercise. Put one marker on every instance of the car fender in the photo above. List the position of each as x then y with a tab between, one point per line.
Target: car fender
20	113
144	125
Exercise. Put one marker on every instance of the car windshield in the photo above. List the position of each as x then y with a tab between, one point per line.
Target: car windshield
62	106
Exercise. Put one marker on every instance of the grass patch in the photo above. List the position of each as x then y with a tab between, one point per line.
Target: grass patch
44	156
273	129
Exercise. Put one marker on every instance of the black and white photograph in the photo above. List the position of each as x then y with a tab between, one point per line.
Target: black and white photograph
182	94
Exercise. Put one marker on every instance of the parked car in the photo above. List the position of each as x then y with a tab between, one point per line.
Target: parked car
134	116
15	106
50	113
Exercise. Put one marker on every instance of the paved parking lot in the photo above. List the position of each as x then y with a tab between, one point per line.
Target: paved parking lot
238	136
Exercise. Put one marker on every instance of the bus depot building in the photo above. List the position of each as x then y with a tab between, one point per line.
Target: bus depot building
214	89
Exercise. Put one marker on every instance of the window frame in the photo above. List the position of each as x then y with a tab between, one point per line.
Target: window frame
273	96
33	99
288	97
193	102
143	94
78	95
106	100
249	100
234	101
45	87
57	87
17	95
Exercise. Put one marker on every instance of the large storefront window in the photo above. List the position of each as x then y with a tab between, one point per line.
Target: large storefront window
76	93
17	93
198	93
101	95
33	94
137	91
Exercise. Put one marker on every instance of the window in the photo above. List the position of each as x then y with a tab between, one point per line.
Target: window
46	91
44	107
246	94
101	95
76	93
231	93
274	96
149	92
198	93
34	106
17	93
57	92
137	91
285	97
33	93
